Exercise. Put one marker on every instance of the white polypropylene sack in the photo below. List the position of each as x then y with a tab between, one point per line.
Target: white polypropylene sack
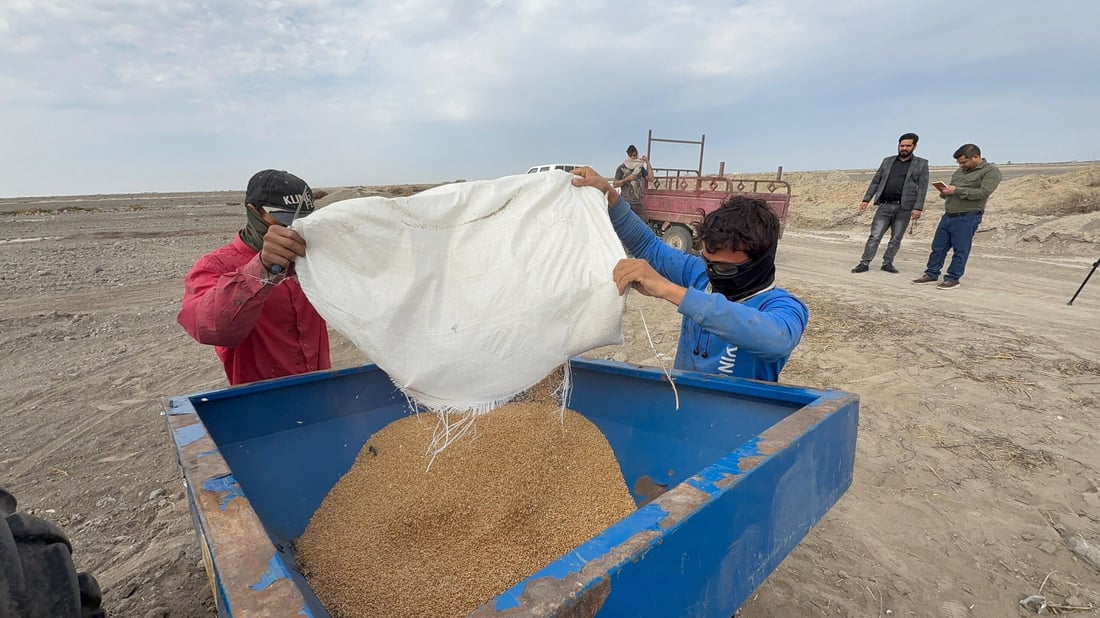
469	293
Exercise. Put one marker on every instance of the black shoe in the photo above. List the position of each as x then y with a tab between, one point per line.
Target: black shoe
890	269
860	268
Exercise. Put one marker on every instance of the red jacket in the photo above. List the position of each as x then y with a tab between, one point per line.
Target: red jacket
260	330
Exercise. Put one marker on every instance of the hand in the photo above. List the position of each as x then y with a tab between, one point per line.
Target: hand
948	191
591	178
863	206
915	214
282	246
642	277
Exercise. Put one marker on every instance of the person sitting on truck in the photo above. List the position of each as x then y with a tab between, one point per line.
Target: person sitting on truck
631	175
244	299
735	321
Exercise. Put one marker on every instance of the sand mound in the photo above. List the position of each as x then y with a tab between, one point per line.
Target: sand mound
1081	230
824	200
1073	193
1059	211
1028	210
346	193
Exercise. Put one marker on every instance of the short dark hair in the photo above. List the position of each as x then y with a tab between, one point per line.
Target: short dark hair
742	224
968	151
912	136
631	150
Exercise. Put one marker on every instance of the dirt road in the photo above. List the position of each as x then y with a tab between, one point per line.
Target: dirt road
980	410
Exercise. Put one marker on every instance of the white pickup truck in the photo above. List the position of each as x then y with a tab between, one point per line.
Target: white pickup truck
565	167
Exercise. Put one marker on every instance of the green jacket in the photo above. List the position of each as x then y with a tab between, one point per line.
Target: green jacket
972	188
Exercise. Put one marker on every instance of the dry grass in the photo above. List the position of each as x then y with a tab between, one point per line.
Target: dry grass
834	320
999	449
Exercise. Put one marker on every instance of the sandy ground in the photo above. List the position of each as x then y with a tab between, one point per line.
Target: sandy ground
980	407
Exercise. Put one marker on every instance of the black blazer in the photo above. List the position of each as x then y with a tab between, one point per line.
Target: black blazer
913	189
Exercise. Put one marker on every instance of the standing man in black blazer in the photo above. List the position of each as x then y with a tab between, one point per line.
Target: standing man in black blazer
898	189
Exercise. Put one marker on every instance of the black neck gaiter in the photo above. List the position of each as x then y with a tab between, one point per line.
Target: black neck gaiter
254	230
750	278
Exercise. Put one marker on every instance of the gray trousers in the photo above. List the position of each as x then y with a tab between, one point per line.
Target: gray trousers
887	216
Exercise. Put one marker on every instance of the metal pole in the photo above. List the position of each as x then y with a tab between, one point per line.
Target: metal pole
702	145
1094	265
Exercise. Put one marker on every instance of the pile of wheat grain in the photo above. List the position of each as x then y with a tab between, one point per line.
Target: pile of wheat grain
394	538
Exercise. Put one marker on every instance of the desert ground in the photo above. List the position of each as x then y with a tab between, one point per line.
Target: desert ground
980	407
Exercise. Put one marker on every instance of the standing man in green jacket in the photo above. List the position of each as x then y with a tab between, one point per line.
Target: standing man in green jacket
965	199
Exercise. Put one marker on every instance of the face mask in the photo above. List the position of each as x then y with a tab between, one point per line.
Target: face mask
254	230
737	282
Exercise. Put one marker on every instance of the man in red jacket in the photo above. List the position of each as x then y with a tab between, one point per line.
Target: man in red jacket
244	299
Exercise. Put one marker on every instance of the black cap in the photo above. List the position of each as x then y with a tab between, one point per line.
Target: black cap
280	193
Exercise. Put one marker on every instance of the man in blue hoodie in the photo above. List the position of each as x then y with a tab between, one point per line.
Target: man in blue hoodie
736	322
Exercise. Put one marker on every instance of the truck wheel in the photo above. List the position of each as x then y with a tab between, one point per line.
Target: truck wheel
679	237
37	576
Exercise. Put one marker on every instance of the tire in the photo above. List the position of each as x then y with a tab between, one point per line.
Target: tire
679	237
37	576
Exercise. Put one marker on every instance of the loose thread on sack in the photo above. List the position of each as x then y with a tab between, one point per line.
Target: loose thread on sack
448	431
453	424
272	280
413	407
564	390
664	365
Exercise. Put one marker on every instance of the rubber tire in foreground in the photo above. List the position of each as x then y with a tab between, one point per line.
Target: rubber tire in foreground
37	575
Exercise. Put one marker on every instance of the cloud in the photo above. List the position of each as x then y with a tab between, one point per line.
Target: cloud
339	86
444	61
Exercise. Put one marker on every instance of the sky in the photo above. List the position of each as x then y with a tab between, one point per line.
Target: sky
100	96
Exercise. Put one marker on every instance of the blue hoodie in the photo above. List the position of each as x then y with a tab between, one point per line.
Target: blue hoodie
748	339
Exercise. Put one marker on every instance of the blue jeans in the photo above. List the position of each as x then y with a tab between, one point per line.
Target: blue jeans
887	216
956	233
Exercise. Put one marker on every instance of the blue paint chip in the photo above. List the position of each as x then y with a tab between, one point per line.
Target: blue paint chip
750	448
176	407
187	435
276	570
707	480
212	451
226	485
